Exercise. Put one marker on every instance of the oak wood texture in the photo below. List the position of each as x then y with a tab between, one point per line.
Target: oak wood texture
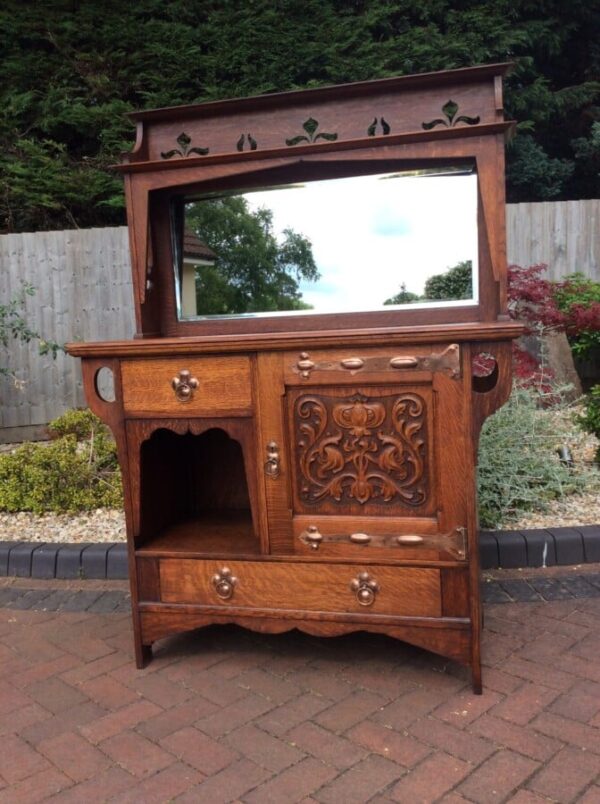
307	587
147	386
449	637
344	431
276	341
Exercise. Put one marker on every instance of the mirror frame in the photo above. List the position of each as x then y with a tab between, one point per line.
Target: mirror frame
426	120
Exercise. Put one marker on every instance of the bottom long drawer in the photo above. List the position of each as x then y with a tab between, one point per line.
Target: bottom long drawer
310	587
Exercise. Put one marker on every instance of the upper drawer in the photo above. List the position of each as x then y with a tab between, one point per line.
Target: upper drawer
375	364
188	386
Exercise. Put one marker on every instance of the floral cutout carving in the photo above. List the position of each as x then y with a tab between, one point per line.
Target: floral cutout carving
450	108
241	143
361	449
184	141
385	127
310	126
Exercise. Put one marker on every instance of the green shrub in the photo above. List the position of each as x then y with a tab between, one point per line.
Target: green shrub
81	423
519	469
590	418
77	471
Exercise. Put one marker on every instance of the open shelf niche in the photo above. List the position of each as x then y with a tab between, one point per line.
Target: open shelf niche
194	495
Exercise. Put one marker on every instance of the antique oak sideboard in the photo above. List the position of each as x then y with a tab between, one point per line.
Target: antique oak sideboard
297	429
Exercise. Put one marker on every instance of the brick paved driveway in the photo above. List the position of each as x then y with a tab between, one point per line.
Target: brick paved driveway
227	715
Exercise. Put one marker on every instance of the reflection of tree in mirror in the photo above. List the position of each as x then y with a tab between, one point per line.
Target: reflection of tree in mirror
454	284
253	270
403	297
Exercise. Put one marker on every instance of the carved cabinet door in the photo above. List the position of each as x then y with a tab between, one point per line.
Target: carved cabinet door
367	463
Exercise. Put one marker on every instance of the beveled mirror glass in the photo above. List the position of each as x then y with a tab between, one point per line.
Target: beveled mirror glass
362	243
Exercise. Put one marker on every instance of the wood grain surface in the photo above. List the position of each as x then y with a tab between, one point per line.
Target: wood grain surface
317	587
224	386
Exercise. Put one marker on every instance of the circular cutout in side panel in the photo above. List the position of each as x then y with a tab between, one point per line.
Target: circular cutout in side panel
104	382
484	372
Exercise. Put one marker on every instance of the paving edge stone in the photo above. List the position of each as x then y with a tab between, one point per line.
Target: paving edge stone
47	560
499	549
512	549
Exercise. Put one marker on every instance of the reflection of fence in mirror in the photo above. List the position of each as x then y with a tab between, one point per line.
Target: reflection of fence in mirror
361	243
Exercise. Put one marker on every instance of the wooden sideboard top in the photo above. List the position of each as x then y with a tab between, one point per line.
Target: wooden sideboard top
385	336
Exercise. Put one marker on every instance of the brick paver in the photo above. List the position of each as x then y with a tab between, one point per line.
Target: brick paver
228	715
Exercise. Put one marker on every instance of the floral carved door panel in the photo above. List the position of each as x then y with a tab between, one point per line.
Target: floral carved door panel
362	450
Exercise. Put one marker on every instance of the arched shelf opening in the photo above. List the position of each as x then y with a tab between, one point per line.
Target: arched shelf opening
194	494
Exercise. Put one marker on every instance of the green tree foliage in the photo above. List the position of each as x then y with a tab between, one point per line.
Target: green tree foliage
70	71
253	272
13	326
455	283
404	296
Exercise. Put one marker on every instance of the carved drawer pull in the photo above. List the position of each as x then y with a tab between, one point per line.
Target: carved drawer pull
184	385
224	583
272	464
410	538
403	362
312	537
365	588
360	538
305	365
352	363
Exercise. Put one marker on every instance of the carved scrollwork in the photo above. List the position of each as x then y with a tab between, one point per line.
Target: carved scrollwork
362	449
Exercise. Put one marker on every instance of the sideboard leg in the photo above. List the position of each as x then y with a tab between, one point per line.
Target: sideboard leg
476	675
143	655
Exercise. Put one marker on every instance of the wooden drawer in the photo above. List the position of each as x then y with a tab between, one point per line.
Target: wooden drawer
302	586
223	386
334	366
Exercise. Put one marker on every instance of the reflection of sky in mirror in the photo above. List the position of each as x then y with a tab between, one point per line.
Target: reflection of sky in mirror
370	234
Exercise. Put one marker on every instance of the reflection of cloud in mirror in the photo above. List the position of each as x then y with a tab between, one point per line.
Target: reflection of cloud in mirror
389	222
370	236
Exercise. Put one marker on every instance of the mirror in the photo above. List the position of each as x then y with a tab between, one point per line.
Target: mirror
384	241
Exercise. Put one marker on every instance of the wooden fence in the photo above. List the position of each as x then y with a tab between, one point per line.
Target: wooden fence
83	292
563	234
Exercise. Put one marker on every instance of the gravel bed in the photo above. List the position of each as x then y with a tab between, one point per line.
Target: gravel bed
578	509
102	525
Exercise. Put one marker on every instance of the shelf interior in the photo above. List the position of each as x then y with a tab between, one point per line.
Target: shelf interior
214	534
194	495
